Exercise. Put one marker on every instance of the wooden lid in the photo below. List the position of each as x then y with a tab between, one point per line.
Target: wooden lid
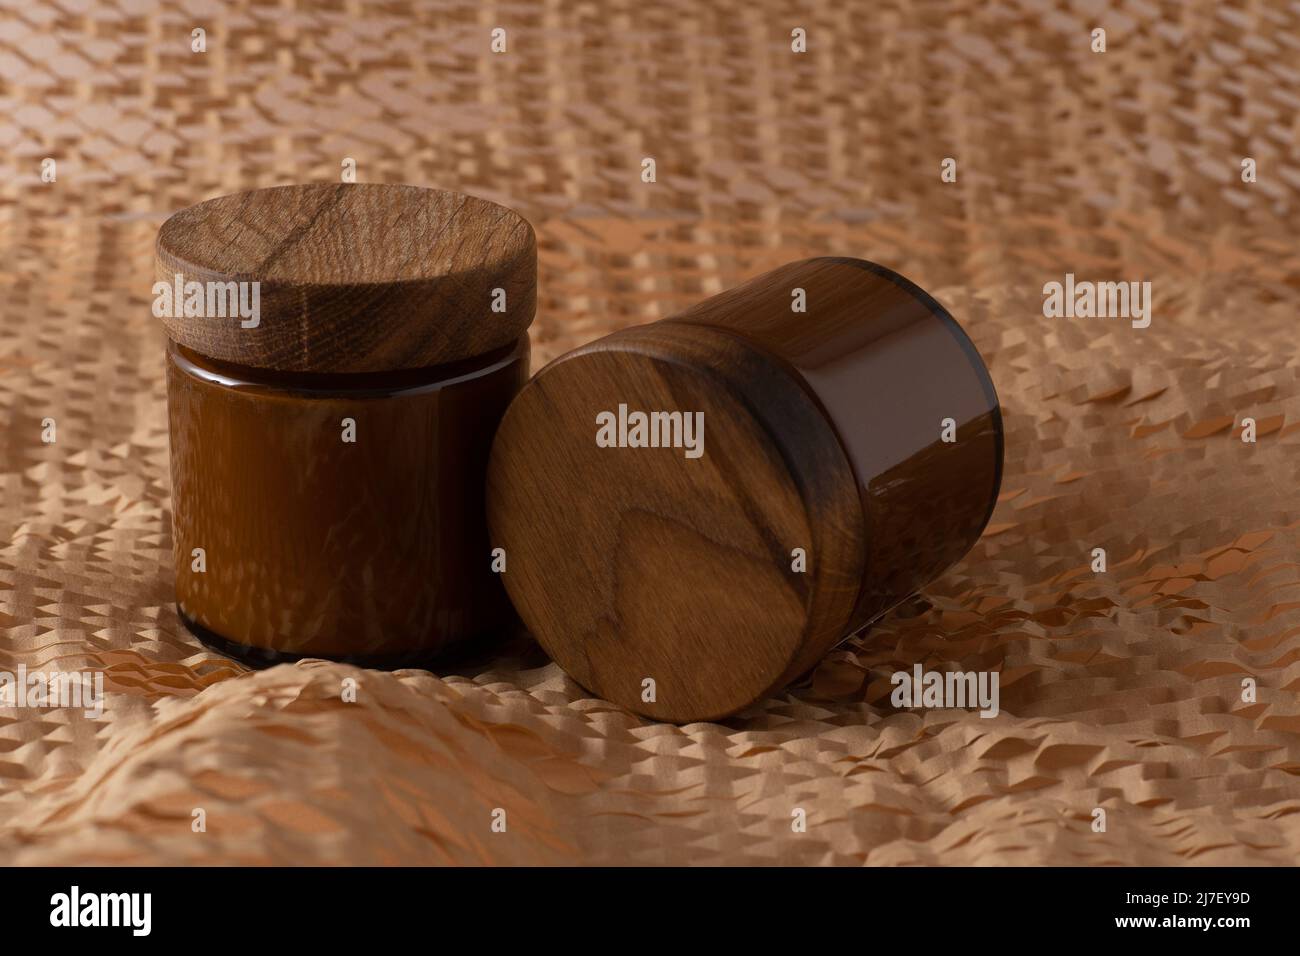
636	563
352	277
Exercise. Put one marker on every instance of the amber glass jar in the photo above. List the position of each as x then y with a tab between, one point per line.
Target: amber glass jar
328	452
698	509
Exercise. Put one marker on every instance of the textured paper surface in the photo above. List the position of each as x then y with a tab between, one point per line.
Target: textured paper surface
1119	690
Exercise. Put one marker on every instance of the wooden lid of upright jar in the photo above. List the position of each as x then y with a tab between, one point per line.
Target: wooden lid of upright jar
361	277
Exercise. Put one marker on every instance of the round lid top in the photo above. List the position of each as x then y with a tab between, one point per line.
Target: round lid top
358	277
681	524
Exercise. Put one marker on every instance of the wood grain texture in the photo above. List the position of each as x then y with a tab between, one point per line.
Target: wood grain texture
354	277
635	563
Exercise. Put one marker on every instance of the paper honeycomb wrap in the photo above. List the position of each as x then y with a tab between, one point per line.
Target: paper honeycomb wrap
1119	691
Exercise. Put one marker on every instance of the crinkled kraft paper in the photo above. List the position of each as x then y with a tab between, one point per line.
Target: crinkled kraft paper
1120	691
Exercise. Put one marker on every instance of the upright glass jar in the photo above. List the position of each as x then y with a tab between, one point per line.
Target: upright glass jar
339	357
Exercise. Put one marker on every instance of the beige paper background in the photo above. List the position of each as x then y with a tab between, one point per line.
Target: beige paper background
1119	691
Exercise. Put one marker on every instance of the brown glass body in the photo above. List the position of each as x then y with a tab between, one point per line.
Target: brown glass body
887	364
372	551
